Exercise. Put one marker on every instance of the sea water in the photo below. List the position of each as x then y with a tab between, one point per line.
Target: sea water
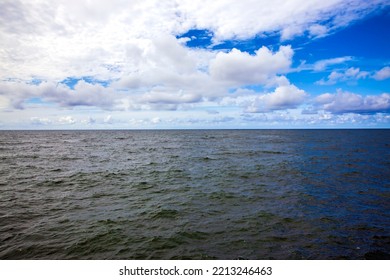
195	194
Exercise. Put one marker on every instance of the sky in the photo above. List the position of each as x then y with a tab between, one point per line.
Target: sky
148	64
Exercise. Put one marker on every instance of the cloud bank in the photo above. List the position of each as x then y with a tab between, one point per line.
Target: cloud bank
346	102
130	56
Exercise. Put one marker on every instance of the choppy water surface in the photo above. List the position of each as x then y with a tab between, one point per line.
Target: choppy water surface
224	194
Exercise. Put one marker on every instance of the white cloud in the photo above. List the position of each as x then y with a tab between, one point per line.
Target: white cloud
66	120
244	19
89	121
285	96
241	68
322	65
171	98
327	119
291	31
108	119
382	74
40	121
339	76
58	39
131	47
346	102
318	30
351	74
155	120
84	94
4	102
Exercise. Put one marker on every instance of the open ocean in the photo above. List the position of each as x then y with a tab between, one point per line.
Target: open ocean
195	194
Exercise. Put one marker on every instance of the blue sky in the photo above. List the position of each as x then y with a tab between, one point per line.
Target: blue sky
194	64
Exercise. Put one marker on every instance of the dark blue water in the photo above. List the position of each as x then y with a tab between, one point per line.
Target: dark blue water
206	194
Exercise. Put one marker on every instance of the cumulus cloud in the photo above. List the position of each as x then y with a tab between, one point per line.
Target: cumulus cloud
84	94
155	120
59	39
284	97
351	74
66	120
167	74
171	98
242	68
134	48
159	60
346	102
382	74
340	76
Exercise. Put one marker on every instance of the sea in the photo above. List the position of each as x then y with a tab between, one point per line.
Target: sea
195	194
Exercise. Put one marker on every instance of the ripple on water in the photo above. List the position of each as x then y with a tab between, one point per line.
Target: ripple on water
261	194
